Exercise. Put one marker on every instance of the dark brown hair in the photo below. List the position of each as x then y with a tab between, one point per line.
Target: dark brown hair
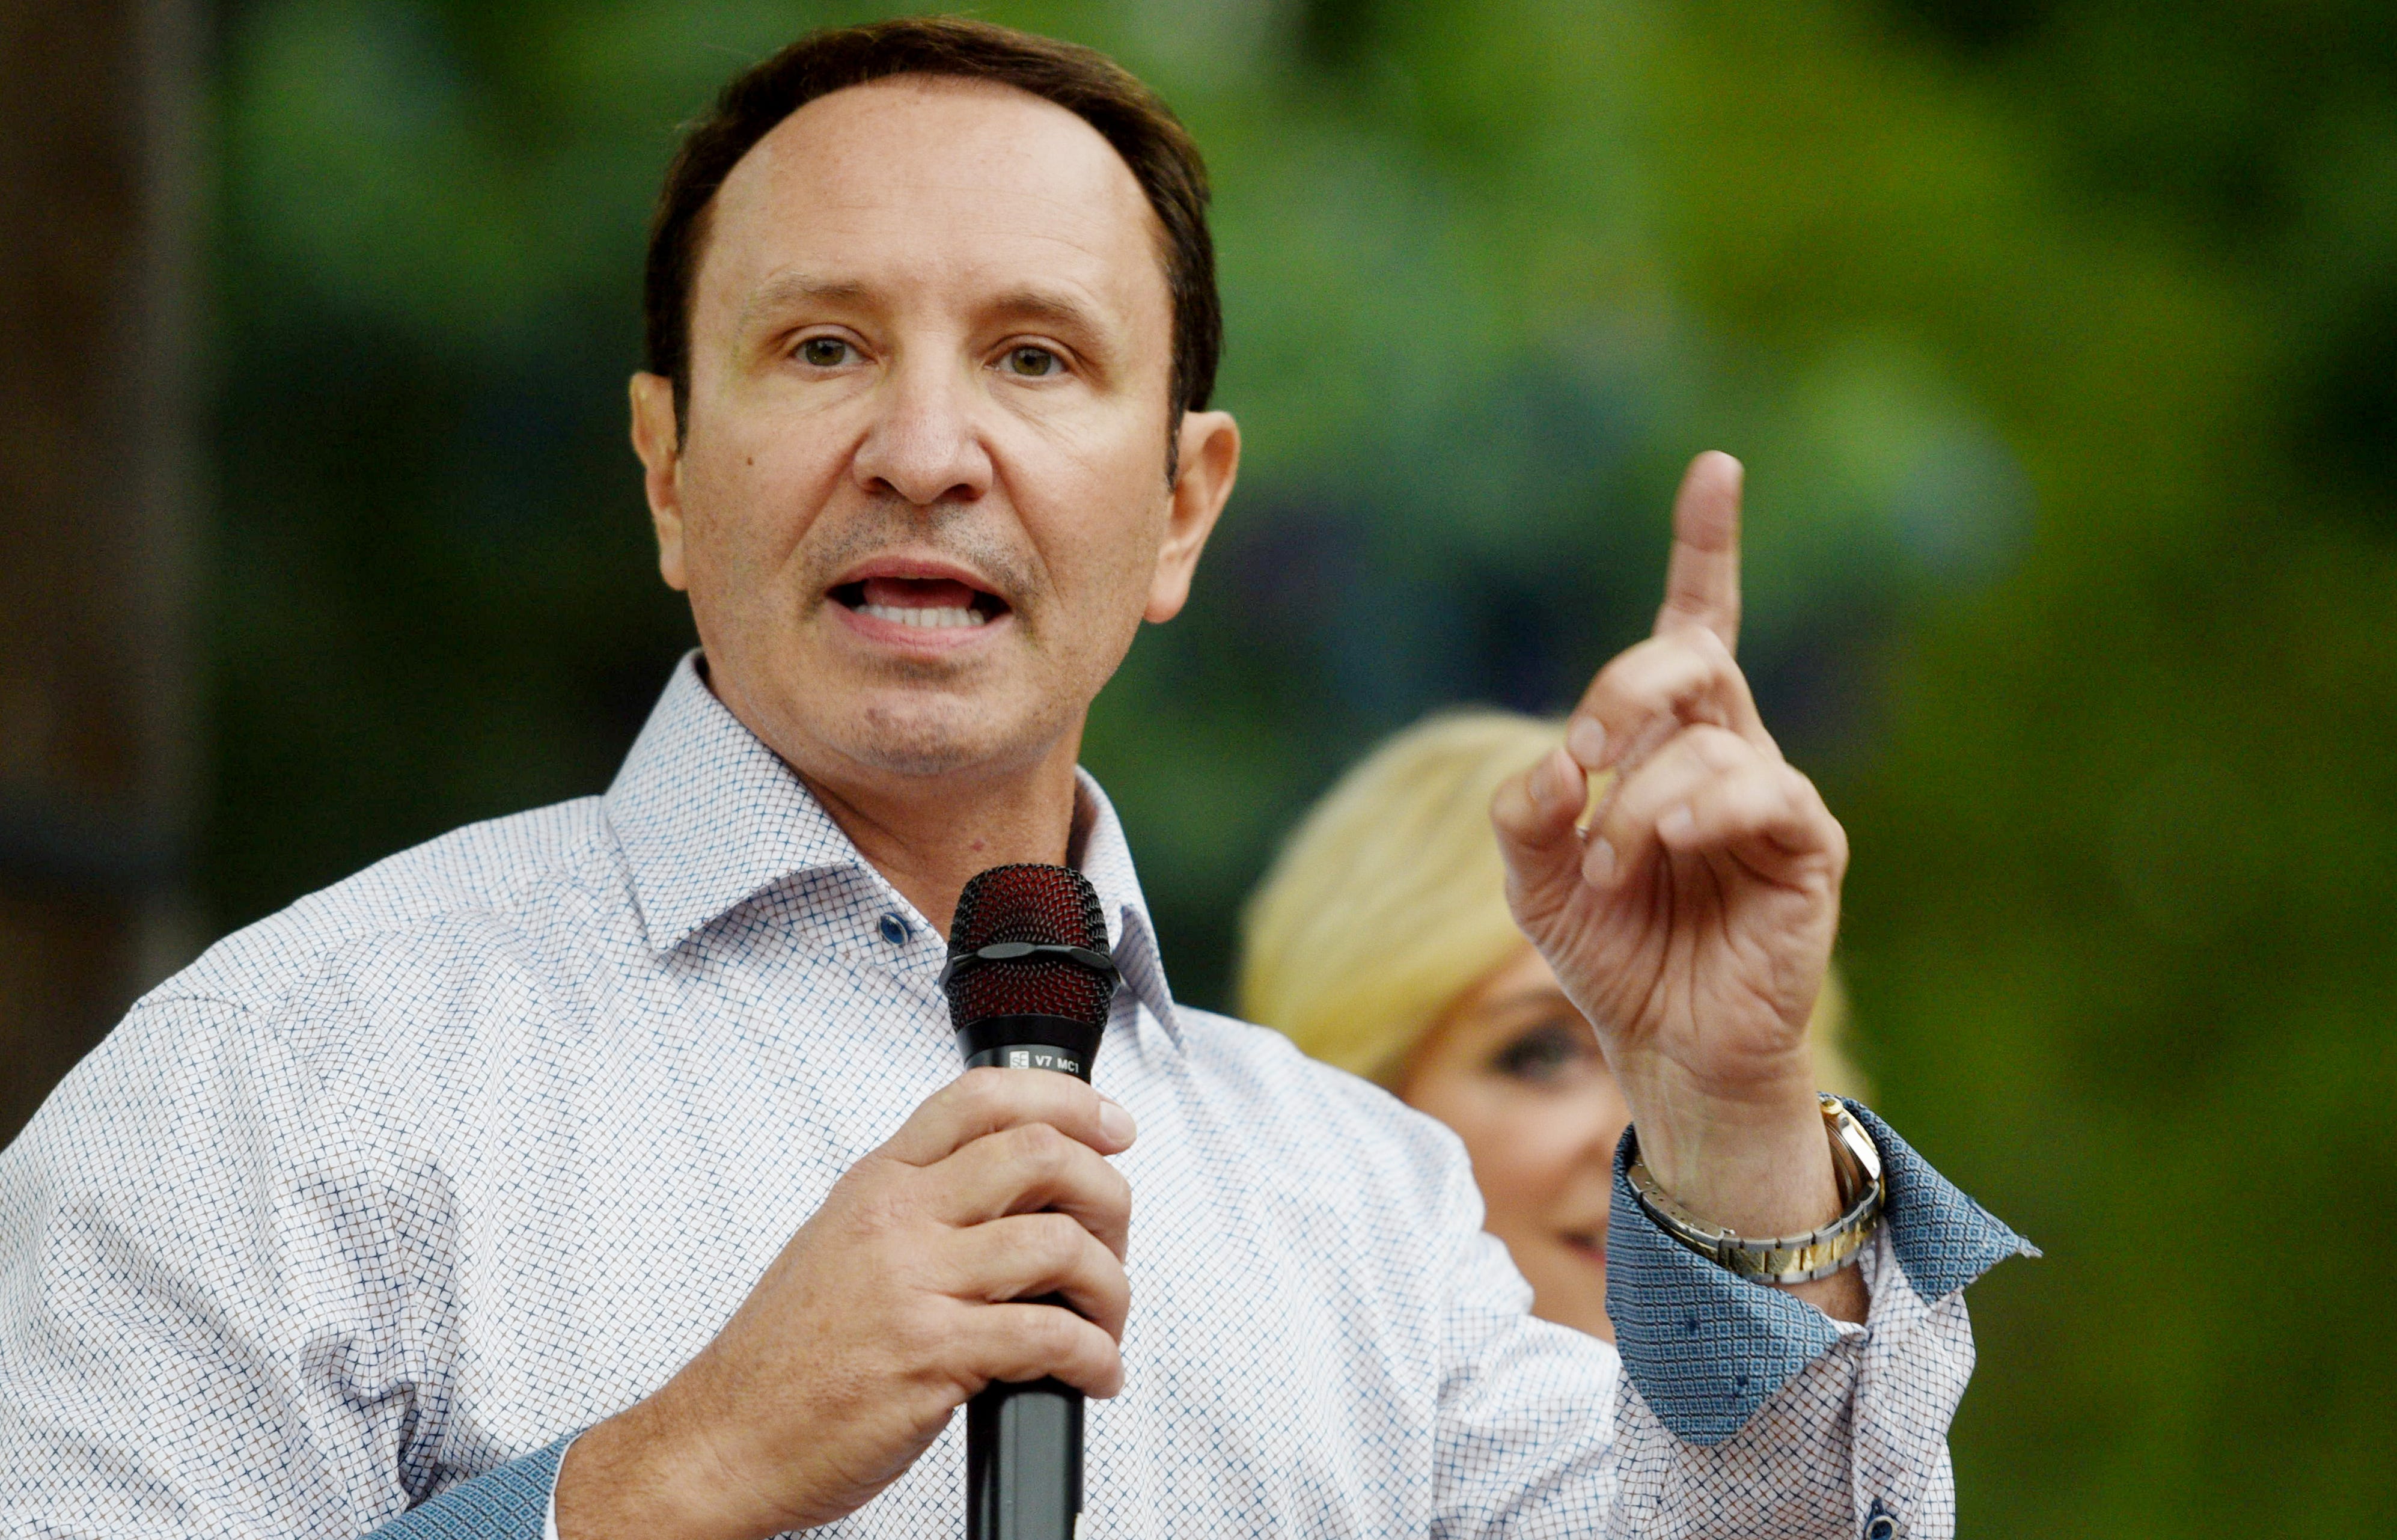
1152	142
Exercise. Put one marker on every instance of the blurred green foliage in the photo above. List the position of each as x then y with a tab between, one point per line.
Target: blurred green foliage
2060	339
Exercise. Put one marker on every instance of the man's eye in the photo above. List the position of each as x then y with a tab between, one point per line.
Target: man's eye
1033	363
1541	1054
824	352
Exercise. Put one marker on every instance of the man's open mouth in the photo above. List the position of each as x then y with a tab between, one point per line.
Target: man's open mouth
933	603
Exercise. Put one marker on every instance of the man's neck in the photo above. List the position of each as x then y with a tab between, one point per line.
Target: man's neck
930	834
929	840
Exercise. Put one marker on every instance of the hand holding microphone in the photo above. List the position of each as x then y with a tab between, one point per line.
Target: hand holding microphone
982	1244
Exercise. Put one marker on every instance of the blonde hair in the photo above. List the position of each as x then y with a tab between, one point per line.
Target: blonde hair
1388	901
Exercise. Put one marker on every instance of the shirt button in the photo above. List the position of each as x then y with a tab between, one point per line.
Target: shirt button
894	929
1882	1528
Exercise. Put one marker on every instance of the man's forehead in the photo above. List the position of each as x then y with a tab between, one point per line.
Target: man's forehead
979	127
936	170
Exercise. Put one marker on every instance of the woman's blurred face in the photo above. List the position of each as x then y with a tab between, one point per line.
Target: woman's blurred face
1515	1070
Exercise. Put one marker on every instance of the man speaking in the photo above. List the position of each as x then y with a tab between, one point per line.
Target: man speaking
606	1170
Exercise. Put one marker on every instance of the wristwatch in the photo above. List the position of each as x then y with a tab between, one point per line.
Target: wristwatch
1783	1258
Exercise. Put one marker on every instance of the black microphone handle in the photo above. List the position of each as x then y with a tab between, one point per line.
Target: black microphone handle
1023	1442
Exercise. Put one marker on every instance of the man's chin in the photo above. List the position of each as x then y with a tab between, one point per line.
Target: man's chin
834	721
924	735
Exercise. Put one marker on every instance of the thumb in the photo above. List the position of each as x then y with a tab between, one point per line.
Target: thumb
1534	814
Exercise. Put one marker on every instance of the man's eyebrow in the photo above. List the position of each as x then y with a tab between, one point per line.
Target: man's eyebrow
786	290
1061	308
1058	308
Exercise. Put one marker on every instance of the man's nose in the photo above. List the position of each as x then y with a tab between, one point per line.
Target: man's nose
924	444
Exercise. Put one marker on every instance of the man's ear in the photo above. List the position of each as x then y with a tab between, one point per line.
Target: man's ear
1209	456
657	438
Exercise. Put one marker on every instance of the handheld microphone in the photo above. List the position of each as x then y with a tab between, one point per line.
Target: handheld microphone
1030	981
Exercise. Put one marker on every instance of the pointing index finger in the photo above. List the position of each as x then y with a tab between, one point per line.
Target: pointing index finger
1701	580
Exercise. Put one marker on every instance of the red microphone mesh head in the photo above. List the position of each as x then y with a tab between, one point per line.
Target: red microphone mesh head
1045	905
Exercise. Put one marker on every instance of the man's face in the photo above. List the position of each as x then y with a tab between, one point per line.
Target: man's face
920	503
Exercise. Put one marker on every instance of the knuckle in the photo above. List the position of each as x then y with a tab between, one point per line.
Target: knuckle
1040	1243
962	1101
1753	777
1061	1239
1510	808
1046	1151
1059	1101
882	1207
1682	761
1107	1375
1625	675
983	1089
1691	652
875	1194
876	1172
1116	1301
1028	1142
1719	747
1756	806
1062	1333
920	1334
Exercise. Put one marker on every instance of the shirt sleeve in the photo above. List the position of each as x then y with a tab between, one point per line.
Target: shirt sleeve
516	1502
1737	1409
221	1306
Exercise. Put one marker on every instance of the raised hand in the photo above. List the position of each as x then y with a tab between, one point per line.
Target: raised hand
922	1278
1691	922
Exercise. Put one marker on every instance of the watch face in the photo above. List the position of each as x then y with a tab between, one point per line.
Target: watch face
1850	1136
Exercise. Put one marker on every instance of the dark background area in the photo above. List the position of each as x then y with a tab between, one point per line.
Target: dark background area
2060	339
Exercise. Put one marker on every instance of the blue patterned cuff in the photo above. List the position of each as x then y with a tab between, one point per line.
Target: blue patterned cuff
1942	1239
511	1503
1707	1347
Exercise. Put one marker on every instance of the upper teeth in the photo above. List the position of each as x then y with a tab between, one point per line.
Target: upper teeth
908	615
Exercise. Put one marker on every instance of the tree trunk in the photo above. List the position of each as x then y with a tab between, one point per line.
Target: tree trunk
97	170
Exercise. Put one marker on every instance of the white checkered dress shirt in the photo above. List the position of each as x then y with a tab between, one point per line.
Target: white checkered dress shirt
358	1220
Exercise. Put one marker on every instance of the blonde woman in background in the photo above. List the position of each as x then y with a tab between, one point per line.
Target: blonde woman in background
1381	943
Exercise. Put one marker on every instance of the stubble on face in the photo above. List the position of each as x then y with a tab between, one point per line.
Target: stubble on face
930	716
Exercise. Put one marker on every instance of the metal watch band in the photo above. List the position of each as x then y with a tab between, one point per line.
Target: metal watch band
1788	1258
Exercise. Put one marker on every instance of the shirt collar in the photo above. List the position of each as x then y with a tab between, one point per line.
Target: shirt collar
1107	861
709	817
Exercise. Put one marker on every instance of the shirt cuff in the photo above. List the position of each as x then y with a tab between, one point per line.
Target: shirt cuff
1705	1347
512	1503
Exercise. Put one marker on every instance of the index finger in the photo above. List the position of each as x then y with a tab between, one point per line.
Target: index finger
1701	580
991	1101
